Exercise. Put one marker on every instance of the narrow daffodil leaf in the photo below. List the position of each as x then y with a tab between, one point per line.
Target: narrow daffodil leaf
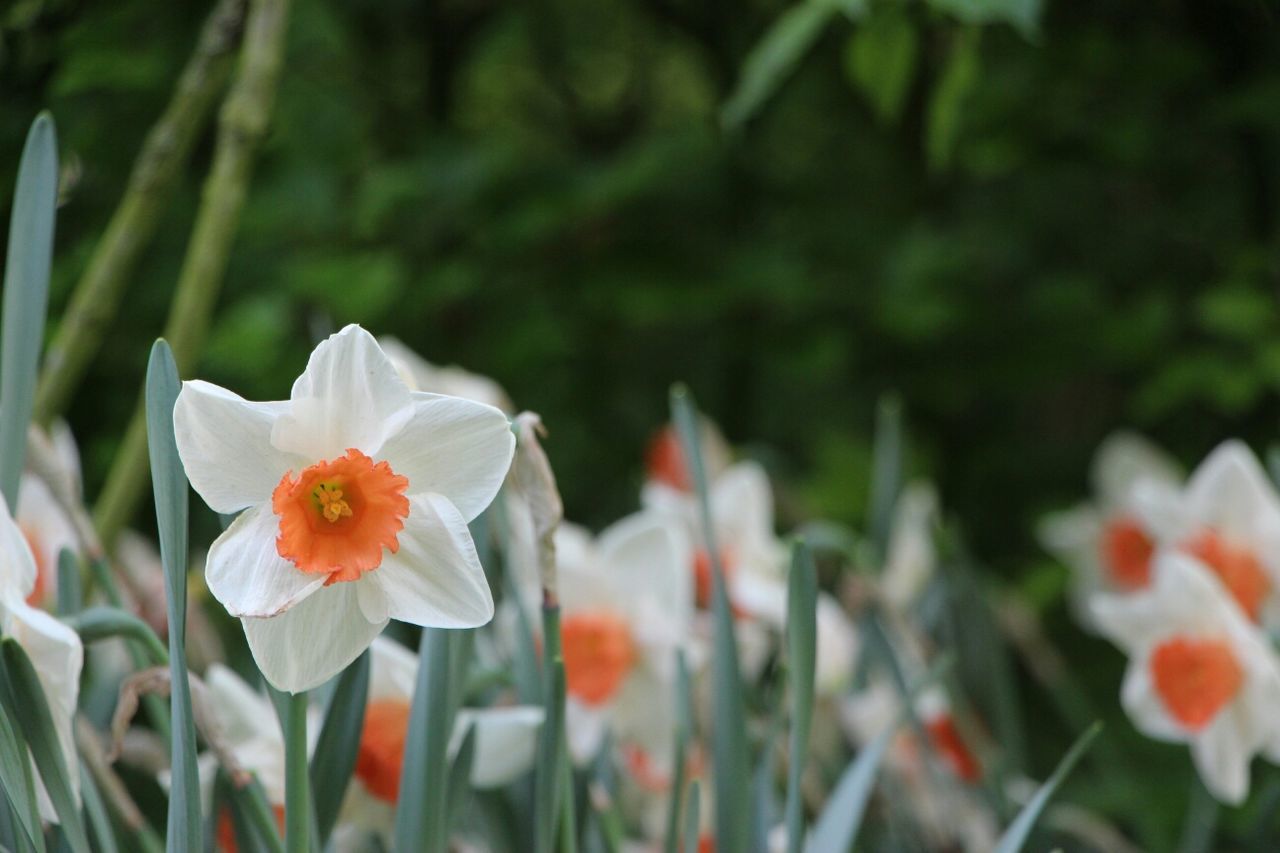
26	296
547	774
802	649
729	734
684	734
25	701
251	801
337	746
104	840
16	782
693	816
886	474
70	595
460	776
102	622
420	822
1020	830
169	484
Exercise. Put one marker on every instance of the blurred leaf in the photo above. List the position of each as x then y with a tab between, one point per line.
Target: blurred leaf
169	483
547	773
881	60
102	622
837	826
460	776
692	816
69	593
775	57
95	809
1022	14
16	782
25	701
802	648
1020	830
959	79
26	296
684	736
729	730
338	745
886	473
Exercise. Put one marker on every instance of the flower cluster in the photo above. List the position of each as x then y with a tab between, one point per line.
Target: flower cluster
1183	578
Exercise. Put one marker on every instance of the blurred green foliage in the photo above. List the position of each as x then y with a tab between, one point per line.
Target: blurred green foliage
1035	232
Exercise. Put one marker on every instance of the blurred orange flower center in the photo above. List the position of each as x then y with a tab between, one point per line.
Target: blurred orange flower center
381	752
947	742
1195	678
338	516
1238	568
1126	553
598	654
665	460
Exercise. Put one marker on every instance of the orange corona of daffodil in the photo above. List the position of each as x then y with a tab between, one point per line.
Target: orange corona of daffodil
354	497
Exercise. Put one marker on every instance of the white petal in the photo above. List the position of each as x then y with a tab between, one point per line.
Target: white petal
225	444
349	396
57	656
1124	459
506	742
372	599
1231	491
837	647
912	555
742	507
453	447
17	563
47	528
393	671
649	559
422	375
1222	759
246	573
242	713
435	579
585	728
1144	706
313	641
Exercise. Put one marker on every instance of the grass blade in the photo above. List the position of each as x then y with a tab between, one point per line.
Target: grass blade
338	744
102	622
802	649
1020	830
16	783
70	594
25	701
684	734
693	816
420	822
729	735
886	473
460	776
547	773
26	295
774	58
95	809
838	825
169	484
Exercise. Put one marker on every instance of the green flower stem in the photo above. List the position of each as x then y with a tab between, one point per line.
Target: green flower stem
155	174
297	778
241	126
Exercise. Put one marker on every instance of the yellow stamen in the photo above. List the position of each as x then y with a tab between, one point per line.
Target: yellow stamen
332	506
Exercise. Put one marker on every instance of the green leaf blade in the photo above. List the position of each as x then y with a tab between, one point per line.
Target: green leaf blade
26	296
802	650
169	484
1016	836
338	744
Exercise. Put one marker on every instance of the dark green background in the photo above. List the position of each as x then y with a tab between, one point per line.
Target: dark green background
1079	233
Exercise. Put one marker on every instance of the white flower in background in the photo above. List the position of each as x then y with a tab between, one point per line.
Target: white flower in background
1199	672
452	381
54	648
912	556
357	492
947	812
1109	543
1228	518
626	607
43	520
504	749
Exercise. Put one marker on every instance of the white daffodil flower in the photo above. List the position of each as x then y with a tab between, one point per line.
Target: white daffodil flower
505	744
452	381
356	493
1199	672
1228	518
626	607
54	648
42	519
1109	543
